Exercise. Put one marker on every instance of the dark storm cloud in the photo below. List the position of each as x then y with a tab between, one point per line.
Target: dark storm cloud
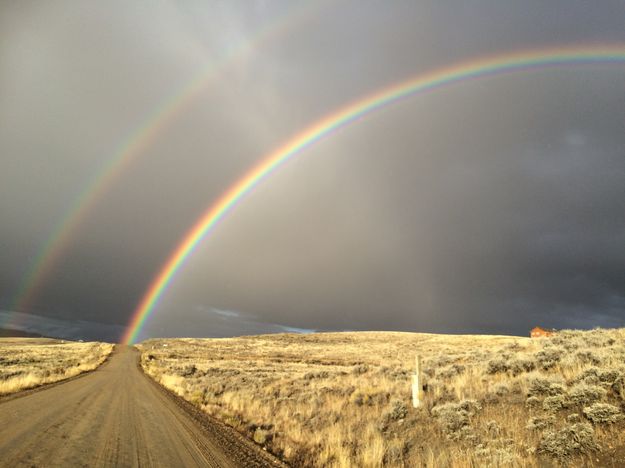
73	329
489	206
436	220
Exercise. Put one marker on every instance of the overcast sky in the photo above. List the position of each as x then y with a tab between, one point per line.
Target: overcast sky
490	206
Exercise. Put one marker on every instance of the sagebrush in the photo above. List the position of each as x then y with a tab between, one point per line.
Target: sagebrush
343	399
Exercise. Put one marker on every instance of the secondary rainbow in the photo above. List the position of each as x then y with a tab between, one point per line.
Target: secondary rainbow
459	73
136	144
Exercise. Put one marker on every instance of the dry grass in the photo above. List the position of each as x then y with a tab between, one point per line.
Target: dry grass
30	362
343	399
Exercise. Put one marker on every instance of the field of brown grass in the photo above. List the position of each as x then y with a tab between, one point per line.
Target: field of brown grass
30	362
344	399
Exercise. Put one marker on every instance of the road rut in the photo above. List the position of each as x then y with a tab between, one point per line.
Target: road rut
116	416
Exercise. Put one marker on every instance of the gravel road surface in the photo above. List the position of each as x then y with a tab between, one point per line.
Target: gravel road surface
117	416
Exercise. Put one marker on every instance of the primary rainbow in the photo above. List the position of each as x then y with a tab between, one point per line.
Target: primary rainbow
474	69
136	144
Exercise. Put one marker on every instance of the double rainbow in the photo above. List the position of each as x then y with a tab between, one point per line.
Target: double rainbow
142	138
475	69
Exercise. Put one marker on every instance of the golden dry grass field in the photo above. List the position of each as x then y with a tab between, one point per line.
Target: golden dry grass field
30	362
344	399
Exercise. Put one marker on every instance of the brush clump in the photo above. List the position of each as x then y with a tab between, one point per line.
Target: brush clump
603	413
575	439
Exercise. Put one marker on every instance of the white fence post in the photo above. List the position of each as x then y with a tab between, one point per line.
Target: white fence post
417	384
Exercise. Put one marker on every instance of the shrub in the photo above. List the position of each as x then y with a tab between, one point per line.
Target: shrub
501	389
589	376
316	375
369	397
571	440
490	456
395	453
584	394
596	339
540	423
493	428
439	361
588	357
571	343
544	386
516	346
455	416
451	417
520	365
188	371
618	387
496	366
398	411
198	397
556	389
603	413
533	402
610	376
548	358
262	436
555	403
465	434
471	406
451	371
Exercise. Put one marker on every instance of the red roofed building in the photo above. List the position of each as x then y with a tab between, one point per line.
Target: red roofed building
539	332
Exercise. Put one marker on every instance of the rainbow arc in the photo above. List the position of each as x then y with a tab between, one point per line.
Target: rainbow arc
517	62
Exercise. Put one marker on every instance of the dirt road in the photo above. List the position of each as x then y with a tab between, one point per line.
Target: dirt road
116	416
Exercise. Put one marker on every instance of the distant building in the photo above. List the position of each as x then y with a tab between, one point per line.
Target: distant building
539	332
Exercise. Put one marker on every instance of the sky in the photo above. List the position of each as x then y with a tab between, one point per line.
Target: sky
490	206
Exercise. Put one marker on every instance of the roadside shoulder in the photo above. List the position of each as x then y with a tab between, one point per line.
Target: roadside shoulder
244	451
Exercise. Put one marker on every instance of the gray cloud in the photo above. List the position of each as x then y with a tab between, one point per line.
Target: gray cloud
488	206
74	329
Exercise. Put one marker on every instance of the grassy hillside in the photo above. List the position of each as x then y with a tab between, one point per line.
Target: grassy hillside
30	362
343	399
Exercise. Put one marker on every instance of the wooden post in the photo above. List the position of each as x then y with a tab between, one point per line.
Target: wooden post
417	384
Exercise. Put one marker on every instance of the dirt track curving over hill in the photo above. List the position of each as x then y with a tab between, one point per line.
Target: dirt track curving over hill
116	416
